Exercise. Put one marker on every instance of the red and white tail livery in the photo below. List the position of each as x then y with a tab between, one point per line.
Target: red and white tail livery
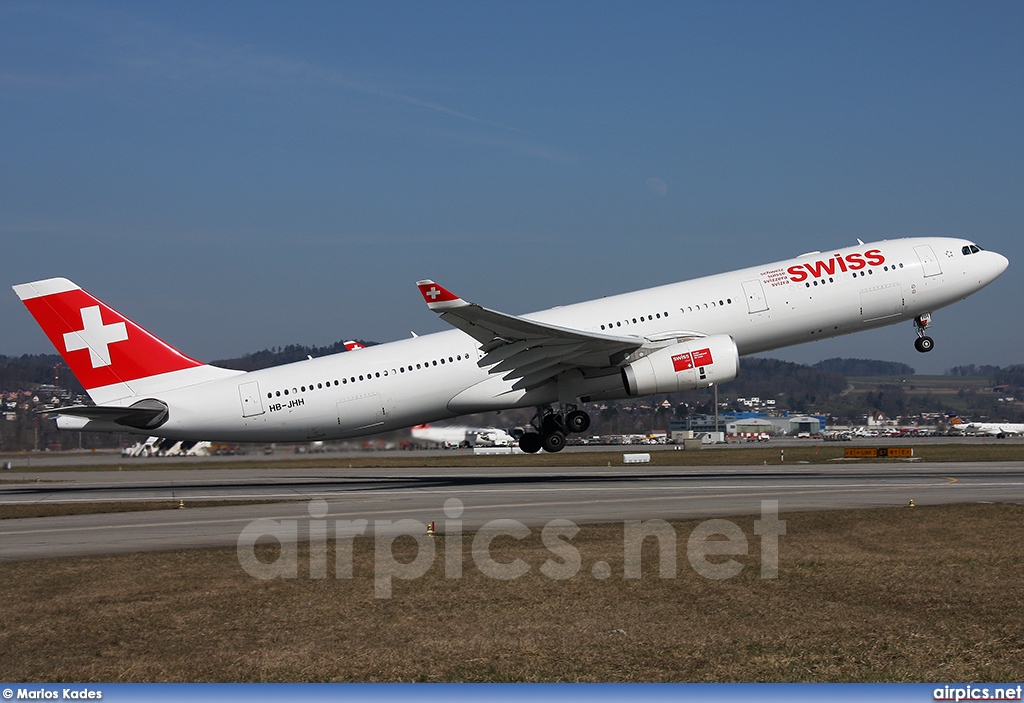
117	362
670	338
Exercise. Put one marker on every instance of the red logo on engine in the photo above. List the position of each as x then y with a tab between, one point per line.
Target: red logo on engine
689	360
682	362
702	357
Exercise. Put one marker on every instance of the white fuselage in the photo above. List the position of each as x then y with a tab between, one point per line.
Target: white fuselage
436	376
996	429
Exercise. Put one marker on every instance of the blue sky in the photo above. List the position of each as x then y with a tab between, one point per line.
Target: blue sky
239	175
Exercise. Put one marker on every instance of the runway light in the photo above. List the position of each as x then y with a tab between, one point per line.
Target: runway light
181	504
911	504
430	528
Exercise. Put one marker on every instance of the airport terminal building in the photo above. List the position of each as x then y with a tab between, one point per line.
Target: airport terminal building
735	424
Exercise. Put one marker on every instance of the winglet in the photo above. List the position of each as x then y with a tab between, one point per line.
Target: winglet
438	297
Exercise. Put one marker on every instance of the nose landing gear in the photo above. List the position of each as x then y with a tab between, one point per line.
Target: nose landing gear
923	343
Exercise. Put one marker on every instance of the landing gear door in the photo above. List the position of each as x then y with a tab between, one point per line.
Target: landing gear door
929	264
249	394
754	293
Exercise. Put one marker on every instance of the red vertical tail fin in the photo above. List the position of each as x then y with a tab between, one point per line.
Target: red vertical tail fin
110	355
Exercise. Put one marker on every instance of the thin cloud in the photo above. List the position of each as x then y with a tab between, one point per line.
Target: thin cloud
147	52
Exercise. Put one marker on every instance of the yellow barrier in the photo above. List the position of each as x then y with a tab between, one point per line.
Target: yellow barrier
879	452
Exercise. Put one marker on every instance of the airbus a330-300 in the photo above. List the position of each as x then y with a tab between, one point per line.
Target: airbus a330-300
670	338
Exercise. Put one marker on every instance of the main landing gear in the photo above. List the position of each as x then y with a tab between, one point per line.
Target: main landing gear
923	343
552	427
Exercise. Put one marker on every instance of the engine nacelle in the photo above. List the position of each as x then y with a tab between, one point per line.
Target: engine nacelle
697	363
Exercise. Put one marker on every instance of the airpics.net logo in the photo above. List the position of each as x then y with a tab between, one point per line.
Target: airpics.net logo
978	693
710	547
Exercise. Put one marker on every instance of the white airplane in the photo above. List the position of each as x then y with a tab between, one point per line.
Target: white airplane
996	429
666	339
462	436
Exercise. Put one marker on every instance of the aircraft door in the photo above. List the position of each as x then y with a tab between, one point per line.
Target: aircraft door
929	263
754	293
252	403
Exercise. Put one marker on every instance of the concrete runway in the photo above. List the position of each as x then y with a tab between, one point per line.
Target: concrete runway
531	495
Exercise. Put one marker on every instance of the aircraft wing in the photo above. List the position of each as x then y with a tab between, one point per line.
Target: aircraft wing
531	351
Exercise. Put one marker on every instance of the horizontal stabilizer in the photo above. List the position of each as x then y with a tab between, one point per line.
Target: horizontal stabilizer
145	415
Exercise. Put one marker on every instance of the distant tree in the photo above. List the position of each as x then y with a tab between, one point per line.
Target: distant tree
864	367
29	370
293	352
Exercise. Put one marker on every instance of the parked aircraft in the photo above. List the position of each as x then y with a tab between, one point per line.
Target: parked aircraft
674	337
996	429
462	436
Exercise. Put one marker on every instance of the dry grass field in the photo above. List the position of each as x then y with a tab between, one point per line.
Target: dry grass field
910	594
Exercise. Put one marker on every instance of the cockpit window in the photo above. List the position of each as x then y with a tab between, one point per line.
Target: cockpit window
970	249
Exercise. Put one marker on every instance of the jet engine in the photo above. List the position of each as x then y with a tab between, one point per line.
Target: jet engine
696	363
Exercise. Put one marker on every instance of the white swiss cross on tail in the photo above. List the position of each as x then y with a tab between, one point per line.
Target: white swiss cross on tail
123	360
95	336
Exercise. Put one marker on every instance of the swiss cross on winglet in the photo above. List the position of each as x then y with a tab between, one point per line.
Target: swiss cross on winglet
438	297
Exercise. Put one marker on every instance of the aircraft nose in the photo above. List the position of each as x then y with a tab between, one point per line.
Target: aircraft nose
1001	263
994	266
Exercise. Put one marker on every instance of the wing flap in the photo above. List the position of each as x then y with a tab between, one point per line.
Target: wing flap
530	350
543	354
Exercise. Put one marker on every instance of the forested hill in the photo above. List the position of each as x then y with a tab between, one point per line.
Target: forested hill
31	370
270	357
796	384
864	367
1012	376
